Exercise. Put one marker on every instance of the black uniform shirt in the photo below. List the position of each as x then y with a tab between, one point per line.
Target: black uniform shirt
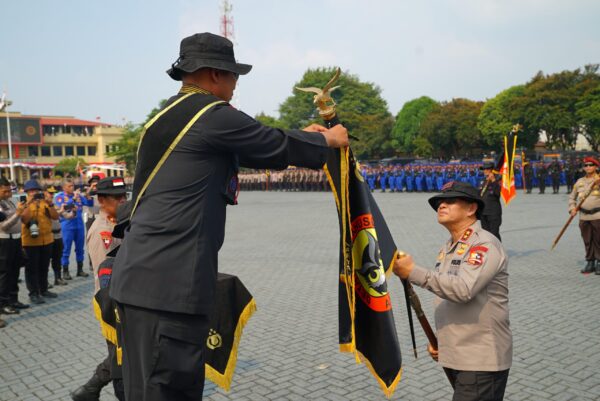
491	198
168	259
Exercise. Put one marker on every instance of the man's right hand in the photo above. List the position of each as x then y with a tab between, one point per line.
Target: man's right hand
433	352
336	137
572	212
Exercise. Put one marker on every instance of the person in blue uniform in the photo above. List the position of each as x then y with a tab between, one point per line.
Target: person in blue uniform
73	229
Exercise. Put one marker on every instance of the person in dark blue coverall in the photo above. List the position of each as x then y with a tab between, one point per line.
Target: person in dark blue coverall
73	229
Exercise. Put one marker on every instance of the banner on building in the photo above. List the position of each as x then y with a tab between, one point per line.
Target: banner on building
23	131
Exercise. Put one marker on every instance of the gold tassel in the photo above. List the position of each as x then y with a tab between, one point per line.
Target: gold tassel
108	331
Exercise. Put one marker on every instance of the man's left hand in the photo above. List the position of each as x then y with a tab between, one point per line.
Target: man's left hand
315	128
403	266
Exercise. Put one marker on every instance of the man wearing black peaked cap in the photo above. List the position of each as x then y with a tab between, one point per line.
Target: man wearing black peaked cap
111	194
489	189
470	281
165	272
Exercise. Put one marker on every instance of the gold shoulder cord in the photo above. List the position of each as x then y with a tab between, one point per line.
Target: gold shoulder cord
171	147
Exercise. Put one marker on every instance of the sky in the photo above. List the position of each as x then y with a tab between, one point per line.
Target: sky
108	58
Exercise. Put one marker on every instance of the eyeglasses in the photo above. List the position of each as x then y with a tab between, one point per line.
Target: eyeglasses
589	165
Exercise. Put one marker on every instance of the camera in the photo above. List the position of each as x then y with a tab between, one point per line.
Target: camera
68	207
38	196
34	229
23	198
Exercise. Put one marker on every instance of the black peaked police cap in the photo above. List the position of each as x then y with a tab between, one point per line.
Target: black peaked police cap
111	186
462	190
488	166
206	50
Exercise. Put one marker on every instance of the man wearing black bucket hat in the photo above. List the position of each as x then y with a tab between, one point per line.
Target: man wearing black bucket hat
165	272
470	281
489	189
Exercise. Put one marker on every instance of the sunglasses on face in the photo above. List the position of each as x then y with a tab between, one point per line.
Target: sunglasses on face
589	165
449	201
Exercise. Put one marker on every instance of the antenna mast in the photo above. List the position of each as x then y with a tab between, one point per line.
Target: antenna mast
227	20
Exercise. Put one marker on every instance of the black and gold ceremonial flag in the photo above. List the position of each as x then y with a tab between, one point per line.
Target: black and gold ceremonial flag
234	306
367	252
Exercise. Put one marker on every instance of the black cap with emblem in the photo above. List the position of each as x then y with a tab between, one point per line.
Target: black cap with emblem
461	190
111	186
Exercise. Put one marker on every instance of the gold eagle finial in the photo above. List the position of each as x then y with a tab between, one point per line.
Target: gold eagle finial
322	99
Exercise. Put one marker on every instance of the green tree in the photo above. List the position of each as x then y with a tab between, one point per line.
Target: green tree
497	118
361	109
408	122
69	166
125	149
451	128
422	147
269	120
588	114
549	104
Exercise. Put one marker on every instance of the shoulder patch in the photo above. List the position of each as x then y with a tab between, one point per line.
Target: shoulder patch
106	238
477	255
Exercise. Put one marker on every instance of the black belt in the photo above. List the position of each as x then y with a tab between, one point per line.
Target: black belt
590	211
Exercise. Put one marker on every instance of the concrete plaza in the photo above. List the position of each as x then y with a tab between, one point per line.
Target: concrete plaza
284	248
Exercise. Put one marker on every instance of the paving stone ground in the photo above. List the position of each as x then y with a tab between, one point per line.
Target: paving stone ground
284	248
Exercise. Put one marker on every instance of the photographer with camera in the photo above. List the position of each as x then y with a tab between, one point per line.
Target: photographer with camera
37	239
10	251
73	229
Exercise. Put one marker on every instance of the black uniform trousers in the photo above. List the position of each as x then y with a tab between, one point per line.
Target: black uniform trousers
36	268
590	232
555	184
492	224
529	183
477	385
542	184
10	263
56	255
167	349
108	371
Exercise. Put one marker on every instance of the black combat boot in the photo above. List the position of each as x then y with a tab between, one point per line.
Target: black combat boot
58	279
589	267
80	272
90	391
65	273
597	272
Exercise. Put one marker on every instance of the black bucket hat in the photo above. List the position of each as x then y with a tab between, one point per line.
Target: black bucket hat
458	189
206	50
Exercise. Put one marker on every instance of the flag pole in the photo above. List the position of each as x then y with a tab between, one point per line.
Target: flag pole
4	103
